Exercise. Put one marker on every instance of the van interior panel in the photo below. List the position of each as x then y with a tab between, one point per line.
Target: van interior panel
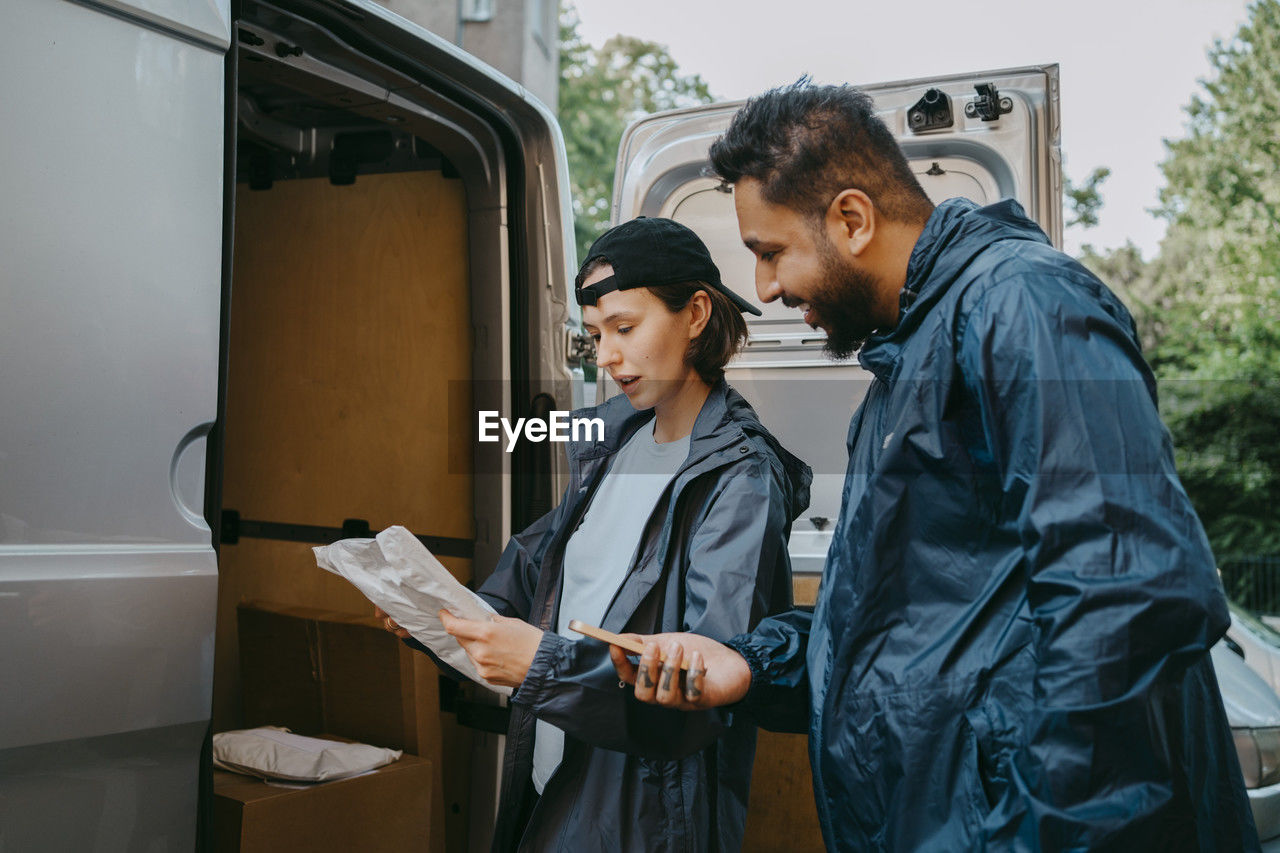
350	355
781	814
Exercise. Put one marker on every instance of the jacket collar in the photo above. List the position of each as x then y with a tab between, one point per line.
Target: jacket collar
621	421
725	419
955	233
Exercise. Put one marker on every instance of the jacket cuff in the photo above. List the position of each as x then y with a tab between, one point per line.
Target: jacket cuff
756	663
541	675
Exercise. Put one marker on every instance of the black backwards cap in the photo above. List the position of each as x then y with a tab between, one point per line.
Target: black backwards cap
651	252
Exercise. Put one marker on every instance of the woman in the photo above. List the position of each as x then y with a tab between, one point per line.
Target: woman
677	520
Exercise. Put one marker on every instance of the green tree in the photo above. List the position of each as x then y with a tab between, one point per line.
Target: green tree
1127	274
602	90
1214	291
1084	201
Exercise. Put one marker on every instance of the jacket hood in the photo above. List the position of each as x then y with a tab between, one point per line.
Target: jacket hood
795	474
956	232
725	415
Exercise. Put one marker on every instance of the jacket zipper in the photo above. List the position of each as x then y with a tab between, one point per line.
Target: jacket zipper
664	537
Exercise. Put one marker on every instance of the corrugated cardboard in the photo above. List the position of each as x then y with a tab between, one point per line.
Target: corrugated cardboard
316	671
281	670
386	810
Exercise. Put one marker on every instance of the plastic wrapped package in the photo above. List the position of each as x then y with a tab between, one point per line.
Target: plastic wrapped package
397	573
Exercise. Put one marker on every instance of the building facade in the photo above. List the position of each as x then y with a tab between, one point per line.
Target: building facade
520	38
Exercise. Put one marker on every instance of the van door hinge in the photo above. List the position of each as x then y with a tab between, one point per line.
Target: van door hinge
578	347
931	112
988	106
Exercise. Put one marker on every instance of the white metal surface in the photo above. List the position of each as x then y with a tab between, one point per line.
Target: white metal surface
110	231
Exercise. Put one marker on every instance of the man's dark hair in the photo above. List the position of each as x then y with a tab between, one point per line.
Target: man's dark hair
721	338
807	143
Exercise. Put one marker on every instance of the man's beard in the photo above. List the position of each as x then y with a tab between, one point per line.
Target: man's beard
843	303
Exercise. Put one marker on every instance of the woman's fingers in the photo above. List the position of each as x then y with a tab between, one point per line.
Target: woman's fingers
389	623
464	629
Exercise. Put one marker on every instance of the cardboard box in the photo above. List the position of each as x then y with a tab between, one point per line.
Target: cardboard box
386	810
280	668
316	671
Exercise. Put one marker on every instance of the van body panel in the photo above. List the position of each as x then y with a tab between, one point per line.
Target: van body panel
205	22
112	275
1014	155
110	325
112	184
131	791
102	642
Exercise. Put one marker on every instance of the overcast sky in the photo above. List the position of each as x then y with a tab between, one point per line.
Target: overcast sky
1127	68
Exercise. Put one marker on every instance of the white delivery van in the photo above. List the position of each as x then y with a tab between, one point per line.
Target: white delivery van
264	264
261	266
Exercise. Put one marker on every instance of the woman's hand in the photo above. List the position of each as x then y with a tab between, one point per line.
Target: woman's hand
502	649
390	624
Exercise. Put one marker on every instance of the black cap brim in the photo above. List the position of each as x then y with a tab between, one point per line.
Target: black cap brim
743	304
590	294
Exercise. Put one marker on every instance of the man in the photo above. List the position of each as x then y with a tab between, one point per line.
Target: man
1009	649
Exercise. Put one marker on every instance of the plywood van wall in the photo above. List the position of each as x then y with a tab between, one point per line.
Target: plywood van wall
350	317
781	814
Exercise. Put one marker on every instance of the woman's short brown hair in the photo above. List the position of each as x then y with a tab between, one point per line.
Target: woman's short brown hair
721	338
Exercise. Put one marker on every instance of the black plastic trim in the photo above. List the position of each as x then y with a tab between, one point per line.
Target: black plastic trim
234	528
486	718
215	443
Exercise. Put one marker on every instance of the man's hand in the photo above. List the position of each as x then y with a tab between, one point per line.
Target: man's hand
717	674
390	624
502	649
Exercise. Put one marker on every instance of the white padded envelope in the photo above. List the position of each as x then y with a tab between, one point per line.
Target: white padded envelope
396	572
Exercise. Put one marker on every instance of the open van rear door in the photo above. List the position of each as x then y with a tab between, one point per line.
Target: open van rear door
983	136
401	263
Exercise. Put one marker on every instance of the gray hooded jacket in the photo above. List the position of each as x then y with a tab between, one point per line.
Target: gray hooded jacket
712	559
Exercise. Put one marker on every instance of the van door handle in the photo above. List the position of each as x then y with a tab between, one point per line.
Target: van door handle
195	516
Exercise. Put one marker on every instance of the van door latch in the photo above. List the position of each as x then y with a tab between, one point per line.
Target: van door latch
988	106
931	112
578	347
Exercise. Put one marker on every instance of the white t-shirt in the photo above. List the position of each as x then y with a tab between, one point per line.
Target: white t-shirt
599	553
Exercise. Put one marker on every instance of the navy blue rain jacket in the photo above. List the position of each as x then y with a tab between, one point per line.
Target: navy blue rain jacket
712	559
1009	649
